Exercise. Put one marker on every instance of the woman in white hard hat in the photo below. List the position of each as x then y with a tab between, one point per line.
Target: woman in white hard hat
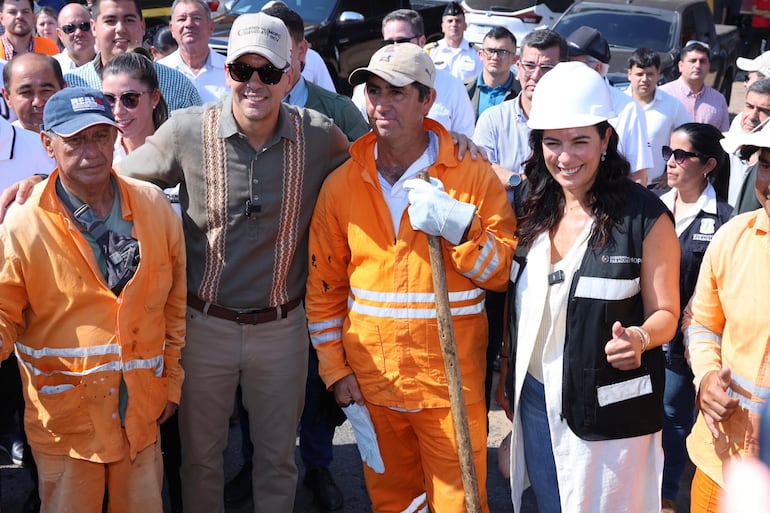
596	295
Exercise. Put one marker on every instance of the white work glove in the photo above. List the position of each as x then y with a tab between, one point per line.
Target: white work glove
435	212
365	437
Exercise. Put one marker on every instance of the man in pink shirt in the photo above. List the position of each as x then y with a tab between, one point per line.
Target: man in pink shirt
704	103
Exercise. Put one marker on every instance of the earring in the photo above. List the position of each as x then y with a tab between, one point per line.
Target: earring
604	156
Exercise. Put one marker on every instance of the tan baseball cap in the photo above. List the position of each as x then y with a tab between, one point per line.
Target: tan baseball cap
261	34
398	64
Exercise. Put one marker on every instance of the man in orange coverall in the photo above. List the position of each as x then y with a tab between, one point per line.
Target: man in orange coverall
370	302
92	299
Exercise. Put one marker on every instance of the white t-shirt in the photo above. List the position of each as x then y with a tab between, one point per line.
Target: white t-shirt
663	114
210	80
463	62
316	71
21	155
631	126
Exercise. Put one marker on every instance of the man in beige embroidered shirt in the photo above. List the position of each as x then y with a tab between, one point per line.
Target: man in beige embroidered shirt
249	169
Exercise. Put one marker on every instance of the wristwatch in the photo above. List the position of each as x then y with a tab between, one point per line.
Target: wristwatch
513	181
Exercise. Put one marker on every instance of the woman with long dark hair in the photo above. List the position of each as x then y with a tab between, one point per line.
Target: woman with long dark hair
594	298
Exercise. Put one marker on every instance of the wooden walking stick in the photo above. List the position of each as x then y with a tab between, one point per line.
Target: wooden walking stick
446	336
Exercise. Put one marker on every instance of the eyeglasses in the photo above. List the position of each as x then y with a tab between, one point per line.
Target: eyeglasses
398	40
694	42
268	74
70	28
680	156
499	52
129	99
530	67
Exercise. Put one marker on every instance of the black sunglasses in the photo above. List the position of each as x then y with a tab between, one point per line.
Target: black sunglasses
680	156
268	74
129	99
84	26
398	40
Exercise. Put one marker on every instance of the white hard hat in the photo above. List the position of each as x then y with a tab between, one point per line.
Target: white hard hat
733	141
571	95
760	64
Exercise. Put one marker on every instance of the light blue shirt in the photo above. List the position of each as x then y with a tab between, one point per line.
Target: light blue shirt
491	96
298	94
502	131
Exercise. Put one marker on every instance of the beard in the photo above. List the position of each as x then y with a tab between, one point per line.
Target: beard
19	30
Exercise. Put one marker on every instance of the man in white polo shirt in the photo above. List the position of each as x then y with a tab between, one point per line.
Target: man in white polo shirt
191	26
662	111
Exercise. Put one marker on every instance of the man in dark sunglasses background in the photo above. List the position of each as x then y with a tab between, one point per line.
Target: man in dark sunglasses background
75	34
249	168
118	27
704	103
496	83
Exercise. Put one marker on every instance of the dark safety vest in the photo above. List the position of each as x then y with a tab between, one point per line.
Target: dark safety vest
600	402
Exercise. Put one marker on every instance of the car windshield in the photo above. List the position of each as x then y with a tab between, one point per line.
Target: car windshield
626	28
312	11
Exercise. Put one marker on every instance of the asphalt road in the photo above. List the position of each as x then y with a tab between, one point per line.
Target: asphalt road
347	471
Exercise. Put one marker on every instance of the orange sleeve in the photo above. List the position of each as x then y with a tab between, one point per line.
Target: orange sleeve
46	46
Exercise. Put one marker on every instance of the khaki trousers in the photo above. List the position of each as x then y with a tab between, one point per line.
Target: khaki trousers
69	485
269	361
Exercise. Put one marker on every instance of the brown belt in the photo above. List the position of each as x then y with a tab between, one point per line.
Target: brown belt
246	317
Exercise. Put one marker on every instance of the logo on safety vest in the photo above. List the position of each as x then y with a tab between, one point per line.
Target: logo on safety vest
707	226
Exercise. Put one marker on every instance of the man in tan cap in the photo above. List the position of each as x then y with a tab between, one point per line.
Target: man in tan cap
370	301
250	169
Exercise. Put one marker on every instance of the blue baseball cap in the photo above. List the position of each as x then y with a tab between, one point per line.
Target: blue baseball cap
73	109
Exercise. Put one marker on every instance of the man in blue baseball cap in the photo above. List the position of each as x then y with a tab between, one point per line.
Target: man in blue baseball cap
93	286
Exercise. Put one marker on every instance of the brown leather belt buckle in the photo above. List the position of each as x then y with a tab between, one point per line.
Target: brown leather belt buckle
255	317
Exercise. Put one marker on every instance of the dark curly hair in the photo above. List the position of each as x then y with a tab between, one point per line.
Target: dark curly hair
544	206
